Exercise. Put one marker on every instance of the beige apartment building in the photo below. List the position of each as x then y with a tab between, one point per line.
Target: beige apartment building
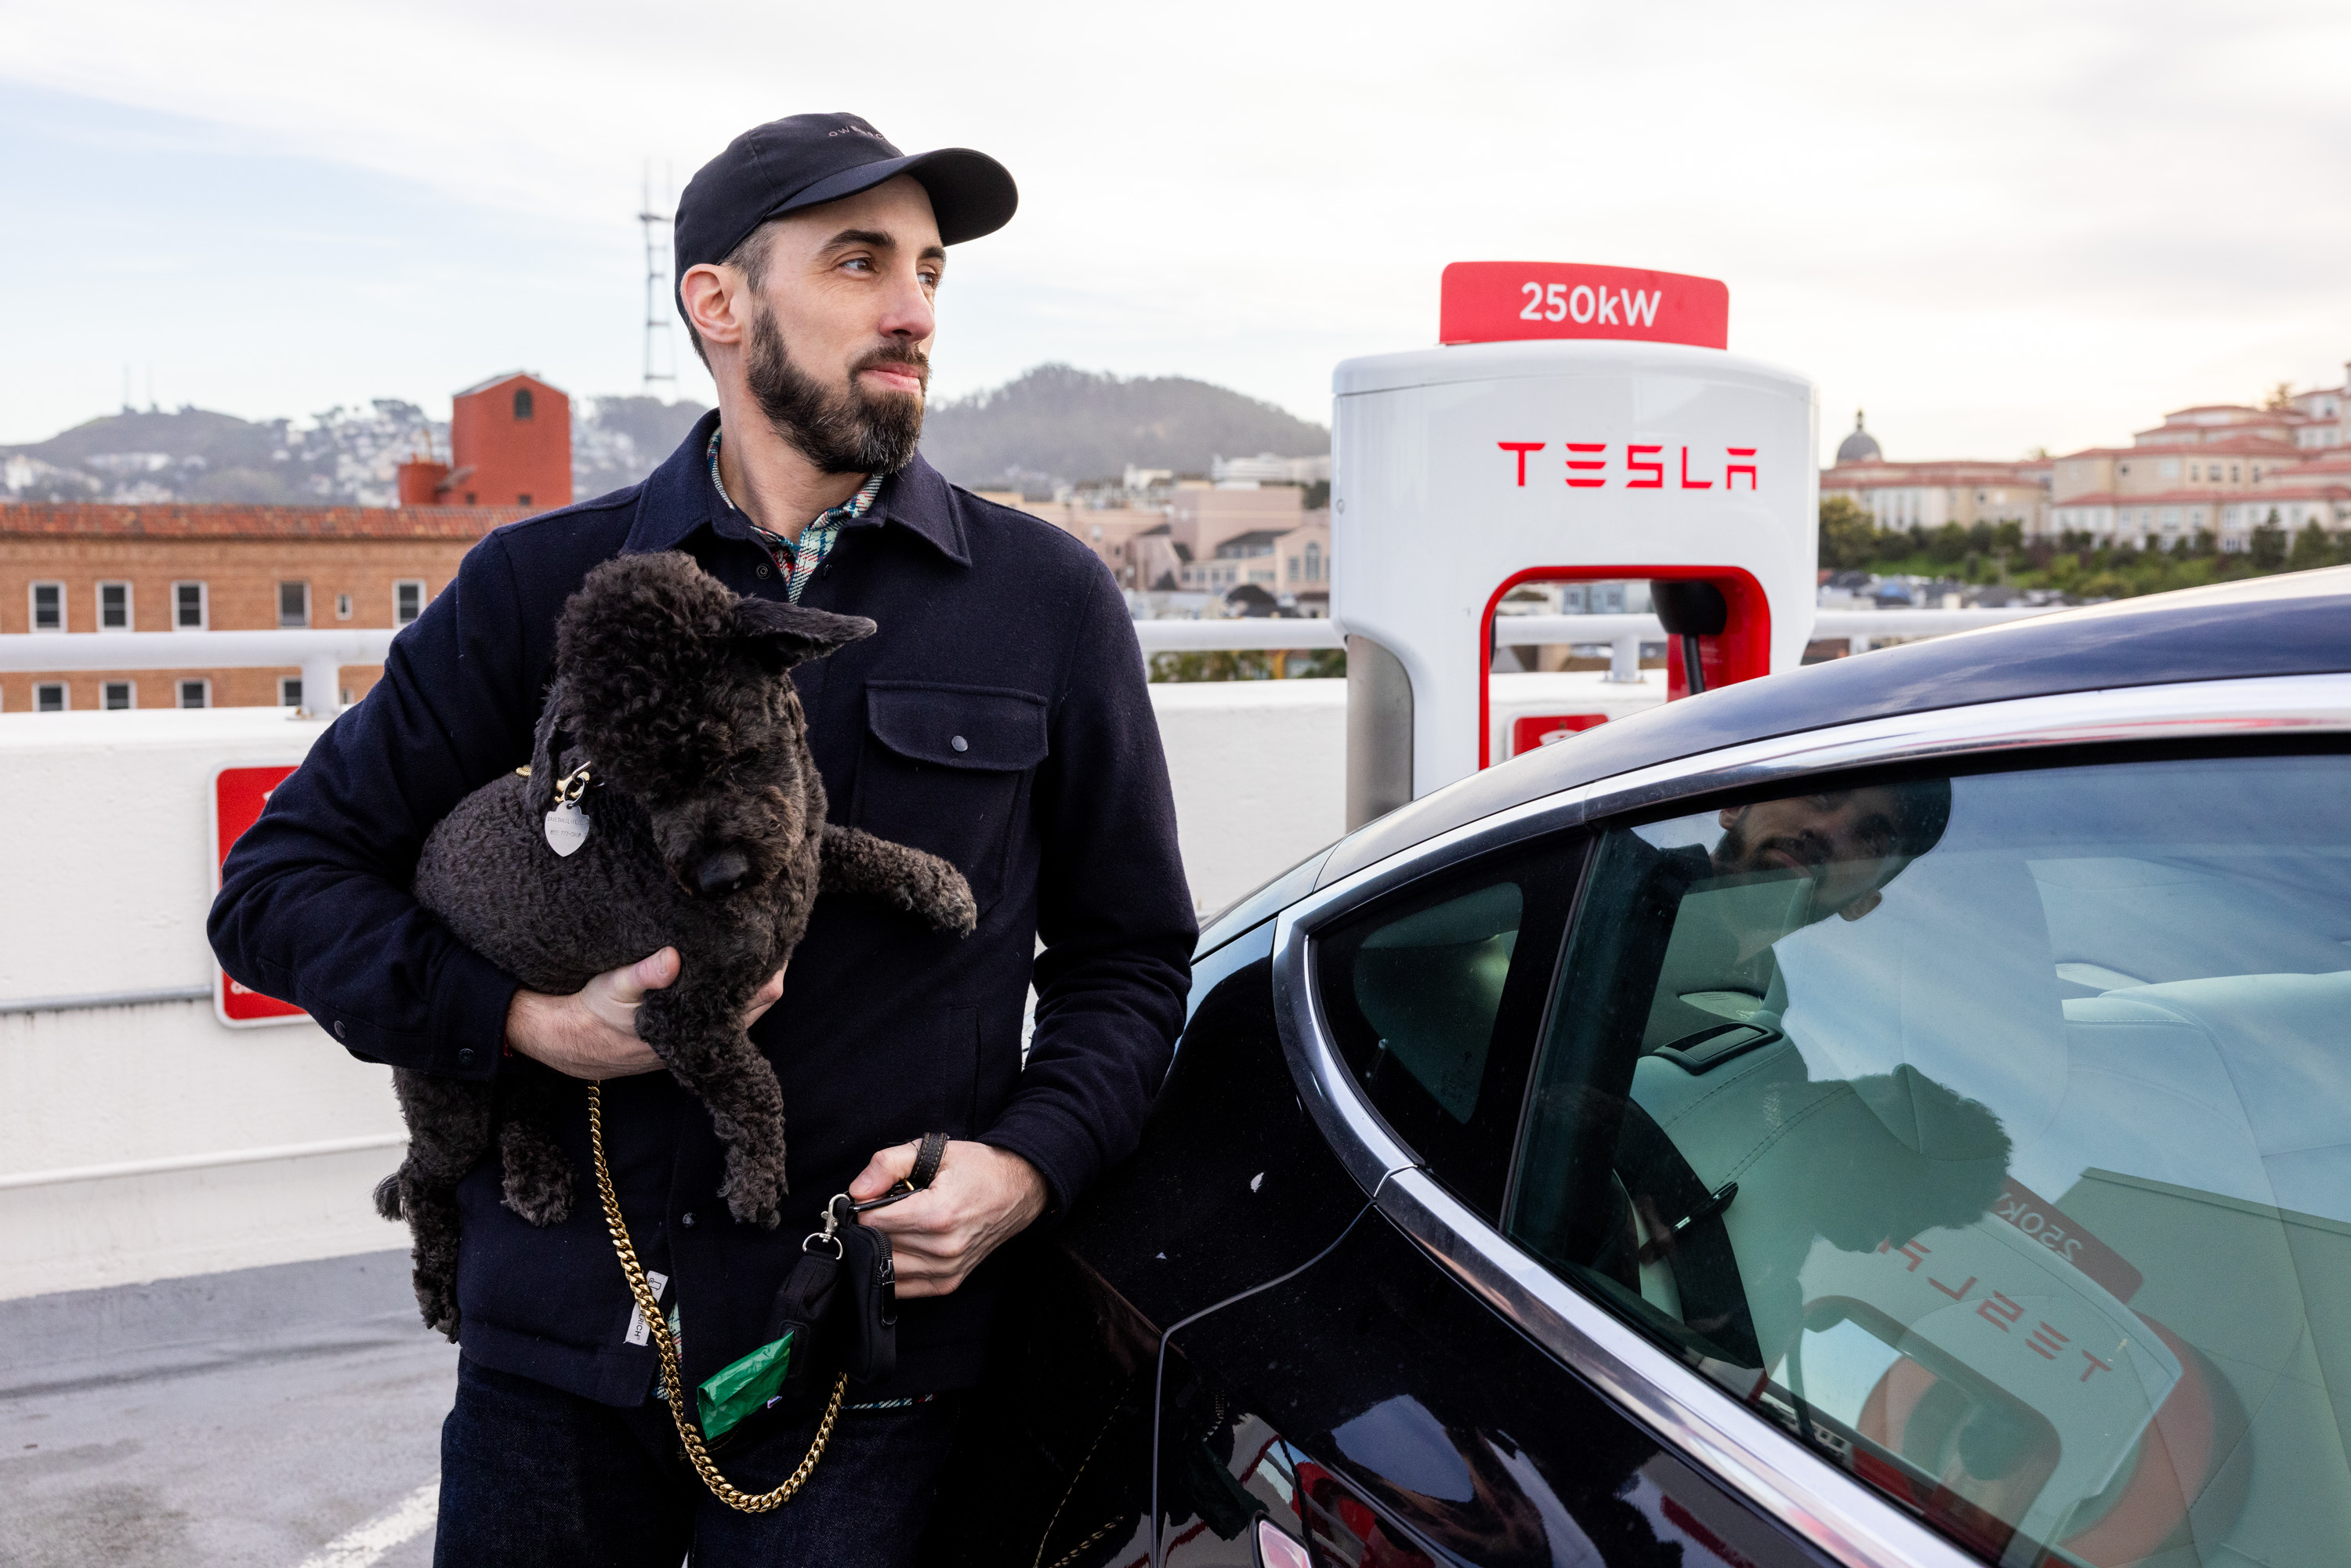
1108	531
1213	537
2219	468
1901	495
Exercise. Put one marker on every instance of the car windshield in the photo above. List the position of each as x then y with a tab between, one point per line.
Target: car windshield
1990	1134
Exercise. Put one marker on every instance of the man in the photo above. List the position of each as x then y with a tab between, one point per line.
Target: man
1847	843
998	718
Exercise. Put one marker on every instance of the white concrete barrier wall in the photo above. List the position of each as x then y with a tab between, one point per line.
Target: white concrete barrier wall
147	1140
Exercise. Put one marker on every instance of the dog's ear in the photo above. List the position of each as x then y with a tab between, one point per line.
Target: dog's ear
545	748
790	633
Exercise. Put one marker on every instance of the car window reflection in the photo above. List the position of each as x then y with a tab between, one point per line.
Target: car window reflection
1989	1135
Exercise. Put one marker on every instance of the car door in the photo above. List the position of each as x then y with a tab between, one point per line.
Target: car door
1370	1403
1983	1135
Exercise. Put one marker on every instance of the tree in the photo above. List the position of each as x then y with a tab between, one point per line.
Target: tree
2268	543
2312	549
1848	536
2281	398
1949	544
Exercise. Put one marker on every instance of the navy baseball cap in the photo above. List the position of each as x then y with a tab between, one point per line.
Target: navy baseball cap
806	158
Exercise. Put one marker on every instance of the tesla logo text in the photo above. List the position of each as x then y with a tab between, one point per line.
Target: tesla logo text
1644	465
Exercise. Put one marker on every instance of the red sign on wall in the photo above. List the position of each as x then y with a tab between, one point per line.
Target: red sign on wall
1531	731
239	796
1504	302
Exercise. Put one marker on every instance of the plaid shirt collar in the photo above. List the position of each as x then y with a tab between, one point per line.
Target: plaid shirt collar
799	562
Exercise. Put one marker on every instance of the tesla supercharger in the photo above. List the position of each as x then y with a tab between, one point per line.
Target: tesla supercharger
1576	424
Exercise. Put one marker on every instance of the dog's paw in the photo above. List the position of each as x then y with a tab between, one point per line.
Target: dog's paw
436	1303
755	1197
950	906
543	1201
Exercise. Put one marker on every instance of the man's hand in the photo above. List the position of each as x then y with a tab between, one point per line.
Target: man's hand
592	1032
981	1199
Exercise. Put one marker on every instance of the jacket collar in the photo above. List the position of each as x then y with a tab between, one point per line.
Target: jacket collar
676	499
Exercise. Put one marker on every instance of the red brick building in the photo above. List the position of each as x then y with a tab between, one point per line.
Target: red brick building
509	445
222	568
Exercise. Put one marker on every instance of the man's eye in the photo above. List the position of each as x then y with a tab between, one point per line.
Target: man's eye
859	263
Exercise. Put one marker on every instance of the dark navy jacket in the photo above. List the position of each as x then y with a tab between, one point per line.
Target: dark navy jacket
994	627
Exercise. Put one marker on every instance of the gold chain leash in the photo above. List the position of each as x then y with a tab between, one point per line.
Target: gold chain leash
688	1433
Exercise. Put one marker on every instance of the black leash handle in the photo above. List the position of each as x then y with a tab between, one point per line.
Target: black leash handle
927	1160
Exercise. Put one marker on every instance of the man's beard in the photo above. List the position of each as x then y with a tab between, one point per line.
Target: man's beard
840	433
1735	857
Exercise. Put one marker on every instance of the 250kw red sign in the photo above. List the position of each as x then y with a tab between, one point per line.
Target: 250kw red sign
1508	301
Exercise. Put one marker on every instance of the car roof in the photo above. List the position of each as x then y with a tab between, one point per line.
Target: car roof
2292	624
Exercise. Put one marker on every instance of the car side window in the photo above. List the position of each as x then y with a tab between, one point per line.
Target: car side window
1987	1134
1435	996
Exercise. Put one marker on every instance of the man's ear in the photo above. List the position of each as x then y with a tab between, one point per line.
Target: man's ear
714	302
1863	906
1729	816
789	633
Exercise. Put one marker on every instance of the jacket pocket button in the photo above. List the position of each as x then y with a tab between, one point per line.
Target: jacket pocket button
686	1220
466	1057
960	744
339	1033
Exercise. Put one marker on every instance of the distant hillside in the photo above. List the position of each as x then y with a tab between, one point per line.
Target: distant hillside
1058	424
344	456
1053	424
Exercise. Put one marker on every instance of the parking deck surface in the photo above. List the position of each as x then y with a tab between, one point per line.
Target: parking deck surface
287	1416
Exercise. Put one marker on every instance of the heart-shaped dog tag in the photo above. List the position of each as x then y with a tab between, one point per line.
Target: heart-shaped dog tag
567	828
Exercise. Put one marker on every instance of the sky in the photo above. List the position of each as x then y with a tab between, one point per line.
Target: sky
1998	226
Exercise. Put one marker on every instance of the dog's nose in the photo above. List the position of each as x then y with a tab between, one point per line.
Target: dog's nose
722	873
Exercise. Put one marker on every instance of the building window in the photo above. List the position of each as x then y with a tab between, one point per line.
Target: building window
471	499
49	607
116	695
195	694
342	607
293	604
114	607
522	403
1313	563
407	600
289	691
2233	473
188	606
1294	566
49	697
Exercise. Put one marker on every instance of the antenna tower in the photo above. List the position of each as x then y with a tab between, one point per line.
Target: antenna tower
661	349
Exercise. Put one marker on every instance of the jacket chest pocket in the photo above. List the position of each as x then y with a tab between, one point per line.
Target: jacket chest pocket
947	770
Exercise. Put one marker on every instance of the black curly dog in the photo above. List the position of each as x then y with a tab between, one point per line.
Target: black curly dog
706	832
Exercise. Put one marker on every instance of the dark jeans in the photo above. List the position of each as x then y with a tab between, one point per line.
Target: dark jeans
530	1474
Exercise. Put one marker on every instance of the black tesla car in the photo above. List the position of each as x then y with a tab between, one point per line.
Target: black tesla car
1894	1113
